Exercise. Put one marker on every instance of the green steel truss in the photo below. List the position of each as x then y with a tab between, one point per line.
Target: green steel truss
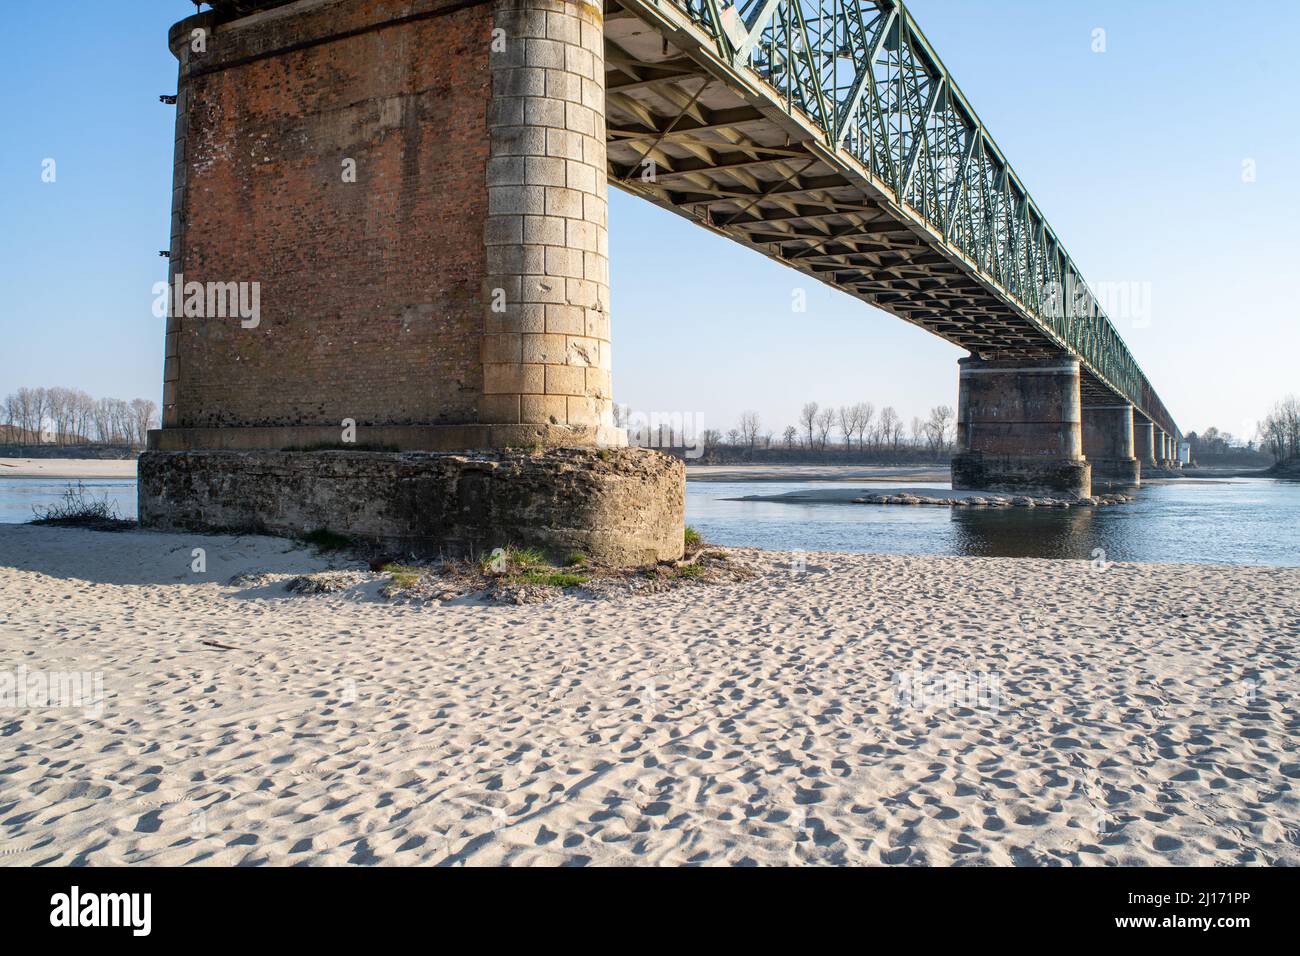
862	73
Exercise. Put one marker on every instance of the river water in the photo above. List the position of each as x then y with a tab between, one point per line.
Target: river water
1228	521
1232	521
19	497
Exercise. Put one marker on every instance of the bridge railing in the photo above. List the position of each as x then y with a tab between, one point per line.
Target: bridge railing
862	73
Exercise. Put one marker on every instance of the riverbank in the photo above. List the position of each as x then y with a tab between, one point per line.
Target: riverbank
901	473
837	708
70	468
930	497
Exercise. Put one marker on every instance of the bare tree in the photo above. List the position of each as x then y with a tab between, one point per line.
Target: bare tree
10	412
808	419
56	403
848	419
121	418
30	406
790	436
144	413
1279	432
83	412
40	412
937	428
891	427
865	411
749	428
102	420
825	422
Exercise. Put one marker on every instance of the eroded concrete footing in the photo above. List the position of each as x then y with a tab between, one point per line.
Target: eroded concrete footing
1116	473
1022	474
617	506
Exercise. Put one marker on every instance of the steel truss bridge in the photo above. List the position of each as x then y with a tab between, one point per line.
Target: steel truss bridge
828	135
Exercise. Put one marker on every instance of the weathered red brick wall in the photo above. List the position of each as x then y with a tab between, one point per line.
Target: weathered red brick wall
371	302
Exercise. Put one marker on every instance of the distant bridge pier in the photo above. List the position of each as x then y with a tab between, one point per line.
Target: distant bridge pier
1169	451
1019	427
1108	444
417	190
1174	460
1144	443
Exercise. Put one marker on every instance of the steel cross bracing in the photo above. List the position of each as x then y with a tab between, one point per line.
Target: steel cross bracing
828	135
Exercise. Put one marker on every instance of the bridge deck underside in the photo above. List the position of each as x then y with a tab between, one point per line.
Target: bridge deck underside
689	141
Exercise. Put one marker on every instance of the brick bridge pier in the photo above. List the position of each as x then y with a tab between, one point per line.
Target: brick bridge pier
417	190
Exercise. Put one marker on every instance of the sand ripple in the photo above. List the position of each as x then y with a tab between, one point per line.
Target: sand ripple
1145	714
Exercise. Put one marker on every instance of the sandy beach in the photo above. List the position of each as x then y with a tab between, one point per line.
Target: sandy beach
864	709
67	468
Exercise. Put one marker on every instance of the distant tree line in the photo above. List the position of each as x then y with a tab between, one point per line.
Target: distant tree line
1277	437
848	433
69	416
1214	447
1279	432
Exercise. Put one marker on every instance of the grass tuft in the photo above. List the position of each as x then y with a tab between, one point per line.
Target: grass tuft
508	560
526	557
693	539
404	577
556	579
78	508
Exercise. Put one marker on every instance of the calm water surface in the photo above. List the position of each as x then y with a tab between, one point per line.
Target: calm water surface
1237	521
18	496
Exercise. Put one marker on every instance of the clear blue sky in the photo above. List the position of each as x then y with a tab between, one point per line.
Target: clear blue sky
1134	155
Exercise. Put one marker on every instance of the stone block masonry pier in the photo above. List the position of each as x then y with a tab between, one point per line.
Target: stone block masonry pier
418	187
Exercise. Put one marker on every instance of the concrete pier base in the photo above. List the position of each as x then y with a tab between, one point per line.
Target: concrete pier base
617	506
1022	474
1018	427
1115	474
